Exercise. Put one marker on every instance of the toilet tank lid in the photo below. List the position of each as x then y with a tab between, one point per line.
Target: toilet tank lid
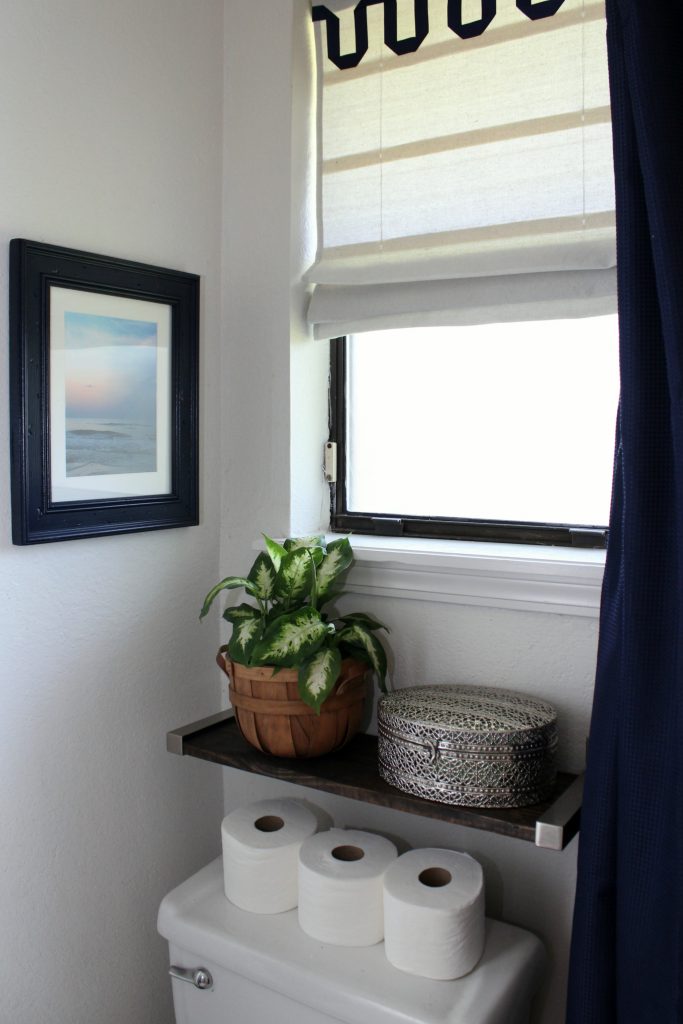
358	985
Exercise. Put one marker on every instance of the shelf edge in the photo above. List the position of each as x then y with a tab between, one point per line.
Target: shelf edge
175	738
554	828
560	823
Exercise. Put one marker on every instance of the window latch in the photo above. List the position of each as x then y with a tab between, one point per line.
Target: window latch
330	462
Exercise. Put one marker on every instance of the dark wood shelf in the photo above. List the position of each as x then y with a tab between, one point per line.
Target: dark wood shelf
352	772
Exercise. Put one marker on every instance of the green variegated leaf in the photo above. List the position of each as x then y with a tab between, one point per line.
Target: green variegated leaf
296	543
229	583
275	550
318	676
317	554
295	577
291	639
288	582
262	576
337	558
368	644
241	612
274	613
244	637
363	619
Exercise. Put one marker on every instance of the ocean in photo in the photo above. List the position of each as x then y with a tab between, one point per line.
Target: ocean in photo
95	447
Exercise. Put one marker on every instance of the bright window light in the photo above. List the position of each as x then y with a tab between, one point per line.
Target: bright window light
503	422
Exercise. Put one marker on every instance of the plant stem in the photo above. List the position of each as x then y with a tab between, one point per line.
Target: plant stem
314	585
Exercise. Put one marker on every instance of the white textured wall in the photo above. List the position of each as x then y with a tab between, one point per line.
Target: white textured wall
110	125
548	654
110	140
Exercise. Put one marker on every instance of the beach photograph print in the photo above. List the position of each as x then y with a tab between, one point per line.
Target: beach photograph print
109	396
110	393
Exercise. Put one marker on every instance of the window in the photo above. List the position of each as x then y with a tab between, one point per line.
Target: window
466	253
496	431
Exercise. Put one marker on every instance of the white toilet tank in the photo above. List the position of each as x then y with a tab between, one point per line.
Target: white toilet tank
264	970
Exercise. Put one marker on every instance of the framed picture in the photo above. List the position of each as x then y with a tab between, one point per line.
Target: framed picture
103	394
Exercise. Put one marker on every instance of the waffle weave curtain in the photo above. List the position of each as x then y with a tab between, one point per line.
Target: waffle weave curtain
627	952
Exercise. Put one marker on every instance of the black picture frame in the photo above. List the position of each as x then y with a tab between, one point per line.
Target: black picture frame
117	339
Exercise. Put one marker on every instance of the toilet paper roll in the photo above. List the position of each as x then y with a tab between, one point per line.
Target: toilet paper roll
261	845
341	874
434	913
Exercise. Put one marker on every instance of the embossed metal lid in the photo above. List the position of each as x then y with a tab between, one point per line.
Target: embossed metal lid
483	711
478	746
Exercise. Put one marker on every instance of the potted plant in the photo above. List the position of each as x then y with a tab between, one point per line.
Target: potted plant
297	673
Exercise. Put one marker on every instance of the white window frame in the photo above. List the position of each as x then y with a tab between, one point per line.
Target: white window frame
529	578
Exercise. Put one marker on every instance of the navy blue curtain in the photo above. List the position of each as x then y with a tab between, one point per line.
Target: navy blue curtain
627	958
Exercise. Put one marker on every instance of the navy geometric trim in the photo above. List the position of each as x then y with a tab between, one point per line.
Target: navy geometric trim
412	43
533	10
360	17
541	9
472	28
348	60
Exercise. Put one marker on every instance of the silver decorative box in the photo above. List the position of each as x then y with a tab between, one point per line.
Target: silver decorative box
476	746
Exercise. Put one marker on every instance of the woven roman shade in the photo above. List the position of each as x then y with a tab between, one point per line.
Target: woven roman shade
469	180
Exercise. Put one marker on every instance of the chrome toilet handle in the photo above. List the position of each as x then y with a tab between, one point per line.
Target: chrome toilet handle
197	976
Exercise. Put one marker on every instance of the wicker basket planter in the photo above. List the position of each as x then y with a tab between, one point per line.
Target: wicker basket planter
272	717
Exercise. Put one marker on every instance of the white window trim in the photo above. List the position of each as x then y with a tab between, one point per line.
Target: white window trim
522	577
